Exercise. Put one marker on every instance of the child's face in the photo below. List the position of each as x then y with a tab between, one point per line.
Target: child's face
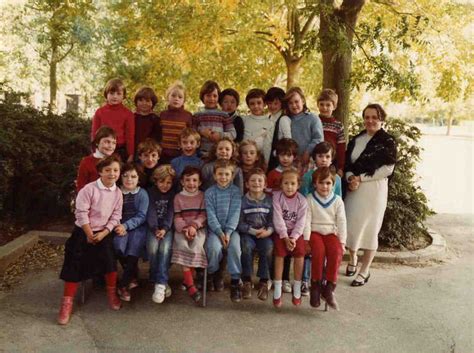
189	145
191	183
256	183
274	106
290	184
323	159
210	99
115	97
256	106
130	180
164	185
224	150
144	106
248	154
223	176
295	104
324	186
176	99
149	159
110	174
326	108
286	160
107	145
229	104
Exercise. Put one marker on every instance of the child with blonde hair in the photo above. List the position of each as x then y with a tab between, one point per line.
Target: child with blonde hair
173	120
250	158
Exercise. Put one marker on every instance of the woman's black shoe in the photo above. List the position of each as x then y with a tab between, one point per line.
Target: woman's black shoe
356	283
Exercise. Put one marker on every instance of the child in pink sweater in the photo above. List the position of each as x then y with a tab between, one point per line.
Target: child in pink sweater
289	219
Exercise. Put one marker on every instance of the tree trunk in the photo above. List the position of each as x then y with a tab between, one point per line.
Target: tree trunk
293	70
336	33
450	121
53	80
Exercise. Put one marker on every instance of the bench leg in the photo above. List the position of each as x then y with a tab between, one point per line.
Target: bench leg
204	288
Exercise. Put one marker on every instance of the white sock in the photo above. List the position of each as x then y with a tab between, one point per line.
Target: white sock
297	289
276	289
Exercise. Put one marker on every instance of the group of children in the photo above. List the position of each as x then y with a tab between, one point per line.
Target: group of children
195	191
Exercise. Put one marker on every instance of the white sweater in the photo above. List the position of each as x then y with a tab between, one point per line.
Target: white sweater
260	129
326	216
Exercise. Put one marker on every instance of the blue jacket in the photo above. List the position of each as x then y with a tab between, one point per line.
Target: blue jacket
160	210
307	130
223	208
255	214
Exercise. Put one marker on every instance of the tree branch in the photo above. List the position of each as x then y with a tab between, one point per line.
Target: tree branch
66	53
392	8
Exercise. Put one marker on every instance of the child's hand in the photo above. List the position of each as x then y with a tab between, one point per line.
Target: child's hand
259	232
225	240
307	247
192	231
265	233
120	230
130	159
340	172
160	233
97	237
290	243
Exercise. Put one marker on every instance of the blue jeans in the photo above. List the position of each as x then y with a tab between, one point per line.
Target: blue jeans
307	269
159	255
214	250
265	250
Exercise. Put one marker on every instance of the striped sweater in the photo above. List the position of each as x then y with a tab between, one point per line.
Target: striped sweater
189	210
334	134
217	121
173	121
255	214
223	208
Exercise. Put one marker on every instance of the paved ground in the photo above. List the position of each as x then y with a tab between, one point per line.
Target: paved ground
427	308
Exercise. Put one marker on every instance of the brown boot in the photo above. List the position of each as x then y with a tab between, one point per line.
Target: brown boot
114	301
315	294
66	310
328	295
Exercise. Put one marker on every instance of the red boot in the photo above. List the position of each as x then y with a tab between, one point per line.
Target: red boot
66	310
114	301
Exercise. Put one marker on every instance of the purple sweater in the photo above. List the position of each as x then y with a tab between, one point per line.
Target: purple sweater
289	214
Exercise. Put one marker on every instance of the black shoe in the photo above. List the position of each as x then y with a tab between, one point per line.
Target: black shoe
235	293
351	270
315	294
218	282
356	283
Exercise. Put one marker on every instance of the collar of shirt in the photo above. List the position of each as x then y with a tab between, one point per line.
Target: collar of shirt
254	199
133	192
186	193
98	154
101	186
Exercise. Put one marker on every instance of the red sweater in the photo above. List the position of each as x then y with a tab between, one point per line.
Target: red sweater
173	121
147	126
334	133
87	172
119	118
274	179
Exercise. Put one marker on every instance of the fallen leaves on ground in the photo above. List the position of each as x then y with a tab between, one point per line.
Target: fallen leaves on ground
42	255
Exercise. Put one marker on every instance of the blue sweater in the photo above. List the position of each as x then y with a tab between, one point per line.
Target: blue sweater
179	163
207	172
307	130
223	208
255	214
160	210
307	184
141	202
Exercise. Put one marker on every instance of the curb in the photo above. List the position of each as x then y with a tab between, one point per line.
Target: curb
11	251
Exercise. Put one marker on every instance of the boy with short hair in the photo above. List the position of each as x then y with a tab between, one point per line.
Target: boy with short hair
332	128
257	126
189	141
149	152
274	101
115	115
255	228
223	201
229	100
286	151
212	123
147	123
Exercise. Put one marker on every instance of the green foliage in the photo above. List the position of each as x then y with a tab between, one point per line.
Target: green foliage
39	155
407	206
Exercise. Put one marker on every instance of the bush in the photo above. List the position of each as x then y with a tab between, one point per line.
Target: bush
39	156
407	206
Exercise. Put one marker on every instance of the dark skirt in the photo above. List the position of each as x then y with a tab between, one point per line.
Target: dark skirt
83	260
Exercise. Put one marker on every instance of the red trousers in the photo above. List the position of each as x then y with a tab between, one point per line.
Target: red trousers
329	247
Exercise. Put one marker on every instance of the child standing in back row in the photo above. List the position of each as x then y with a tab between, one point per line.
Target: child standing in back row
333	128
211	123
306	128
90	250
229	100
115	115
173	120
147	123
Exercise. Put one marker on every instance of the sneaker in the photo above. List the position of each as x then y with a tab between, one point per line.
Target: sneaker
262	293
133	284
168	291
305	289
218	283
286	287
124	294
159	293
247	290
235	293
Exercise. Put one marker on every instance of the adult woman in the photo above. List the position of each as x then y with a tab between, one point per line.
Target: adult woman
370	160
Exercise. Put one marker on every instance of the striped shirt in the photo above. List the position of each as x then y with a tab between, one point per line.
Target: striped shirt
217	121
173	121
